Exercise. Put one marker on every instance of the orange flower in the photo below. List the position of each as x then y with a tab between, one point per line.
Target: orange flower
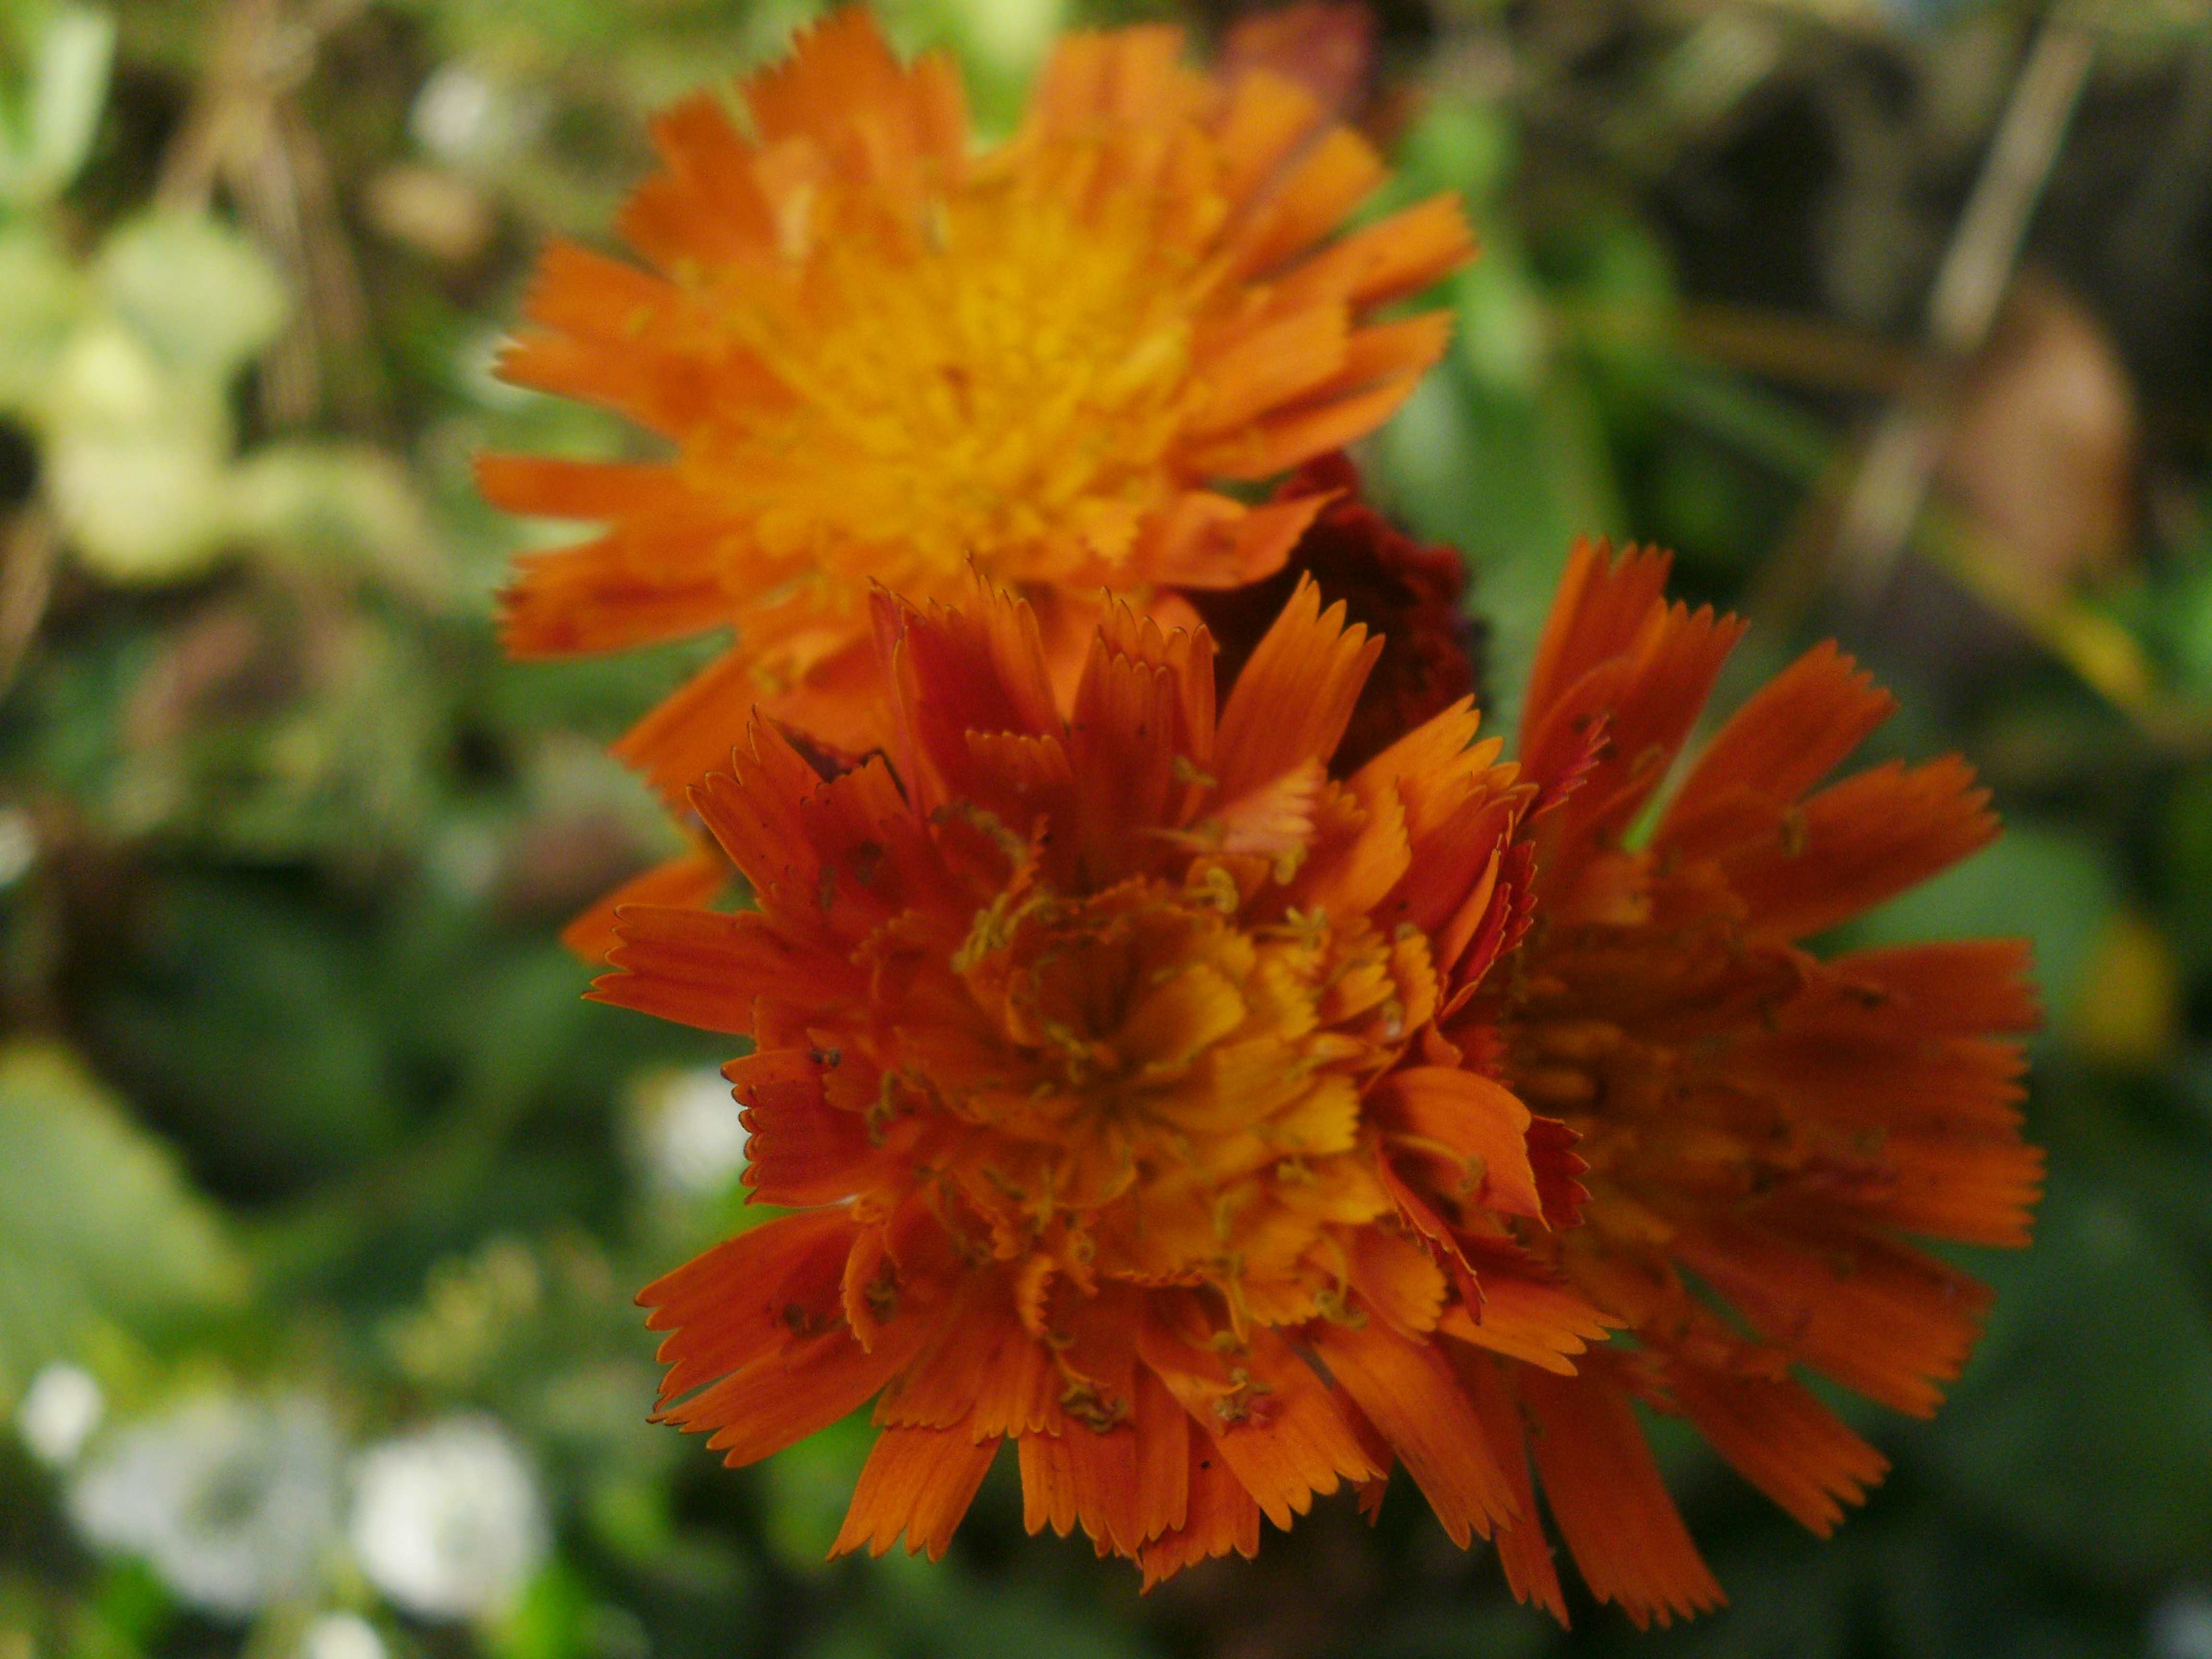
1086	1057
877	357
1765	1129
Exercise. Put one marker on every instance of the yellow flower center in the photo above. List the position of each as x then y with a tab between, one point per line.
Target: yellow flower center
999	379
1137	1087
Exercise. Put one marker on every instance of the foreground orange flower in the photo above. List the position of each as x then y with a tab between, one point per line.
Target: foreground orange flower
878	357
1088	1054
1765	1129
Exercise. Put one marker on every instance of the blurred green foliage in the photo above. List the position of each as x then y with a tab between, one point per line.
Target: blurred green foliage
299	1102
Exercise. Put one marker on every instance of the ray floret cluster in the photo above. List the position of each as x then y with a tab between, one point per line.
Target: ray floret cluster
1227	1093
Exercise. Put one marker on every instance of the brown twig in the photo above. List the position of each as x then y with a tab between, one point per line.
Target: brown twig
1891	485
1807	351
28	548
244	132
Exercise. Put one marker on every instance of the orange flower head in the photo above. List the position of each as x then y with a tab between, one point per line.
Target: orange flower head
1074	1038
876	355
1767	1130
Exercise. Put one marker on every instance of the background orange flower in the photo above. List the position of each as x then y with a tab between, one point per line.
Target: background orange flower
879	356
1766	1129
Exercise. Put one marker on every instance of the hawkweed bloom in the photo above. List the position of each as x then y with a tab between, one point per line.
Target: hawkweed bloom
1765	1128
876	355
1088	1056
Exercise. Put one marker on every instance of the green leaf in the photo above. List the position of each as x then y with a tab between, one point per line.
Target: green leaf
1457	145
1511	480
41	296
197	292
135	455
96	1221
138	508
809	1487
244	1014
2187	860
67	90
343	503
550	1621
2086	1425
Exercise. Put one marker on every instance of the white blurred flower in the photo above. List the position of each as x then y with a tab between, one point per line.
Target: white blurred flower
452	112
233	1503
2181	1625
447	1522
60	1409
464	117
341	1636
694	1138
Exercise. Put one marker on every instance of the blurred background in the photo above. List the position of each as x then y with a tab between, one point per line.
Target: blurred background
323	1196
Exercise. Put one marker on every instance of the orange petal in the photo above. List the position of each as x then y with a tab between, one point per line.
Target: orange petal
705	208
1285	359
690	733
1480	1125
1163	1443
1203	540
595	316
748	1297
1222	1517
1600	603
1278	1431
1947	988
980	668
1646	698
1883	1319
1396	1279
916	1481
1777	1436
1610	1502
1281	442
1387	260
1263	120
751	808
782	1400
1102	76
838	63
547	487
1337	172
1410	1394
982	1369
639	584
799	1149
1862	840
1047	1484
1527	1318
684	882
700	968
1295	695
1523	1549
1799	728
